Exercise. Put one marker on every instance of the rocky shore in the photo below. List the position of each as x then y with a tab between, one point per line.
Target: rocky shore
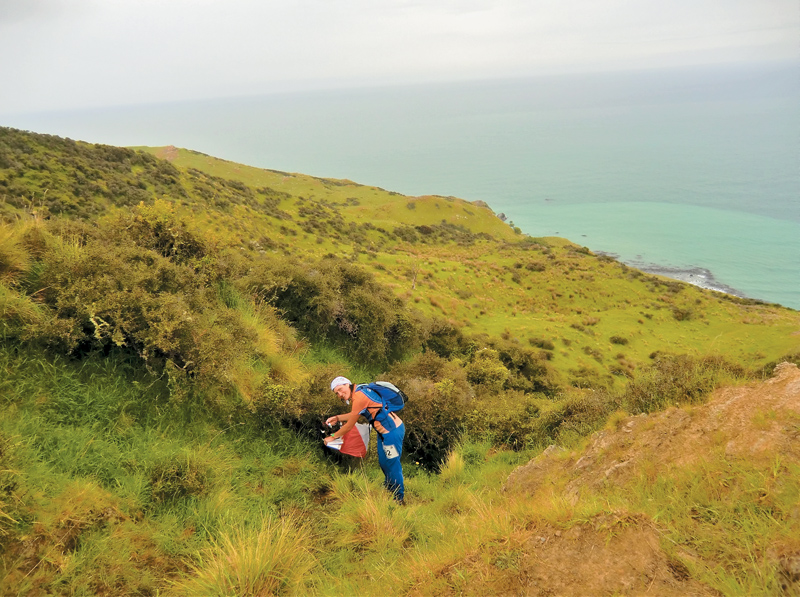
698	276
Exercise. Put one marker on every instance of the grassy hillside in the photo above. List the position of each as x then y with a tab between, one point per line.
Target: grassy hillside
600	316
169	324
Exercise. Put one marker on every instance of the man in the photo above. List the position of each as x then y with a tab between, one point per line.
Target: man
389	427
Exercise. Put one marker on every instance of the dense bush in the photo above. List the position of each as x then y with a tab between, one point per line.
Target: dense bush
487	370
55	176
527	369
678	379
508	419
577	415
446	339
340	303
768	369
439	396
143	283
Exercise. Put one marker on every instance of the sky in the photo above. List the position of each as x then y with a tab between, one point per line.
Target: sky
76	54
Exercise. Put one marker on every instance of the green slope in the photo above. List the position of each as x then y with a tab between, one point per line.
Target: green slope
445	258
169	325
532	290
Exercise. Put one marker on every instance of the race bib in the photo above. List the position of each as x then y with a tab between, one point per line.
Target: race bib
390	451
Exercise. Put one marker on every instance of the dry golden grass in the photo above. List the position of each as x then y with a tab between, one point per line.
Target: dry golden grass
253	562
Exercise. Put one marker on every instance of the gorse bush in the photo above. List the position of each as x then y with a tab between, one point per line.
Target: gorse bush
577	415
340	303
156	227
528	370
439	396
145	284
673	380
487	370
507	419
56	176
446	339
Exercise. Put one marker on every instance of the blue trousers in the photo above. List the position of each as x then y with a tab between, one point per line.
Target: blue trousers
390	449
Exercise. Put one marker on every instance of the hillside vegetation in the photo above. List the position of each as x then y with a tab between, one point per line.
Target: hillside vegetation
170	323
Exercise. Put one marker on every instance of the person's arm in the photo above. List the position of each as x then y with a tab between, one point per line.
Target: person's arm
342	418
359	401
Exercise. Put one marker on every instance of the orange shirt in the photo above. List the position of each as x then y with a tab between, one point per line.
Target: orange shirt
363	404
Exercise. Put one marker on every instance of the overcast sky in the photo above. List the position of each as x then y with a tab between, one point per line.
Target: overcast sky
64	54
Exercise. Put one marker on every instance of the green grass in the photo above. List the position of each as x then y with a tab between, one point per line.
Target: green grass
490	288
88	460
164	367
703	508
175	503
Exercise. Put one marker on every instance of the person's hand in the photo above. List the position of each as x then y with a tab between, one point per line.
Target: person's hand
328	440
332	420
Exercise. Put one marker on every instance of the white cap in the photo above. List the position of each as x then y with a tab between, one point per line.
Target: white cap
339	381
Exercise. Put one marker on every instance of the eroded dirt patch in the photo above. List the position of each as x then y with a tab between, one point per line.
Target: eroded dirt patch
756	422
169	153
621	553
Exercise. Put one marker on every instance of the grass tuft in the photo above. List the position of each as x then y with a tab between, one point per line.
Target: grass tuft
269	559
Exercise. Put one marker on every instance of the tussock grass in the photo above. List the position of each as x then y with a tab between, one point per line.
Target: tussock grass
270	558
736	517
14	259
168	435
453	468
158	479
94	484
675	380
367	518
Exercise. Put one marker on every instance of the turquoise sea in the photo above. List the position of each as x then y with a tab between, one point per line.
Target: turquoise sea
695	170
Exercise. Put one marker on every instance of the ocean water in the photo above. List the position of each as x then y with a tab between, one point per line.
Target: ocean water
695	169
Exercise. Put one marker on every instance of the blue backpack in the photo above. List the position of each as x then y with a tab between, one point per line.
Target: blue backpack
392	397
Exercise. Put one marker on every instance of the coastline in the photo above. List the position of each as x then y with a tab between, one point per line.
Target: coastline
698	276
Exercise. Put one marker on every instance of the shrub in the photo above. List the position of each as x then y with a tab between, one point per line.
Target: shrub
768	369
682	313
542	343
618	340
528	369
156	227
303	408
576	416
677	379
145	285
444	338
506	419
439	396
487	370
340	303
535	266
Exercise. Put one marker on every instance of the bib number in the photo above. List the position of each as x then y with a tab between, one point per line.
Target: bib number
390	451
